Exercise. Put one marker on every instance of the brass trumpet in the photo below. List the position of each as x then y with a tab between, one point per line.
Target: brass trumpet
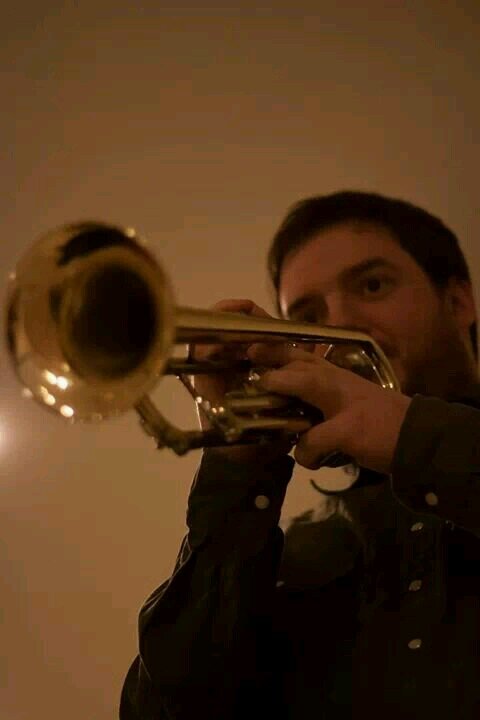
92	327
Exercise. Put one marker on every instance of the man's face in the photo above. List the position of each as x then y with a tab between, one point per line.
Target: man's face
356	275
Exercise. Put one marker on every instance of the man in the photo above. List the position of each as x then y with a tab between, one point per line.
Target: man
373	612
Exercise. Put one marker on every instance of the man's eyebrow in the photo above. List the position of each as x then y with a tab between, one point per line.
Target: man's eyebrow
349	274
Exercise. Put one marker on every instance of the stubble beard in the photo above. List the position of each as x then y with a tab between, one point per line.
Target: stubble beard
444	369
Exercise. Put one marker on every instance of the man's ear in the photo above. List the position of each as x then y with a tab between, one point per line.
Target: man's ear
459	295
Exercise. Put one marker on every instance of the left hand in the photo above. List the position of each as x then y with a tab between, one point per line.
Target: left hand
362	419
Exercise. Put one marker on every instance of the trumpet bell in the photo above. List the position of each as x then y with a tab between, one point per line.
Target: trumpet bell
89	320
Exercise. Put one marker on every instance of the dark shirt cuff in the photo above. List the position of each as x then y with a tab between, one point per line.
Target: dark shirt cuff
226	493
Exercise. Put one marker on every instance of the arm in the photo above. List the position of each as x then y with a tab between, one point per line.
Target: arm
436	464
201	632
430	446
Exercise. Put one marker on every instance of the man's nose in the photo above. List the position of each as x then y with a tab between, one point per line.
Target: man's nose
341	312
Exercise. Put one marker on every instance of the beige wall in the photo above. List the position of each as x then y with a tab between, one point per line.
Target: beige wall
199	128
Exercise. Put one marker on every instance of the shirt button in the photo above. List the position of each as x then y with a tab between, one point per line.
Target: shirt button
431	499
262	502
415	585
417	526
415	644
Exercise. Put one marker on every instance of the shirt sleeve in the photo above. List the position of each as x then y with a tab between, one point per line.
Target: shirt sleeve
203	633
436	464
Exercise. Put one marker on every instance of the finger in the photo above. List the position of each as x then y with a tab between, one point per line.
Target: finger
277	354
233	305
241	306
225	351
219	352
299	379
319	441
258	311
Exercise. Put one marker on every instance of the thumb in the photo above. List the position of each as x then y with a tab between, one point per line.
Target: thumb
318	442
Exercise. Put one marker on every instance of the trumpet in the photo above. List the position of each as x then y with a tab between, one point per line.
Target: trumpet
92	327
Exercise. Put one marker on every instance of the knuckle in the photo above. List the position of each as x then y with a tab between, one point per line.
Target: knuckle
259	311
240	305
233	304
303	458
205	352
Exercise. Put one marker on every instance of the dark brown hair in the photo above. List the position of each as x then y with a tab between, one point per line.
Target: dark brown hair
425	237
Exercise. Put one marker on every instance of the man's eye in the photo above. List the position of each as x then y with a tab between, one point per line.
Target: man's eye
309	318
375	285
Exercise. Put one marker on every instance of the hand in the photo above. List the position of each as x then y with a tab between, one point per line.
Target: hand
362	419
213	387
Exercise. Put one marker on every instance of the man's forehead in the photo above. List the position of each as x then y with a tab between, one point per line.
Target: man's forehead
340	244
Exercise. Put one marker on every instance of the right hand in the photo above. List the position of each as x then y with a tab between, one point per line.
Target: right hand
213	387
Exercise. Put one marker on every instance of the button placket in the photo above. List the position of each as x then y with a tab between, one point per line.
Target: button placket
417	540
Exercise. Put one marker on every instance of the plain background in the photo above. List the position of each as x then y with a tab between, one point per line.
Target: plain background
198	126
